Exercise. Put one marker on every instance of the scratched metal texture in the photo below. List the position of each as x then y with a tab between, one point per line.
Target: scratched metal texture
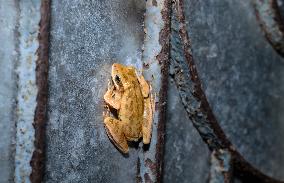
242	77
86	38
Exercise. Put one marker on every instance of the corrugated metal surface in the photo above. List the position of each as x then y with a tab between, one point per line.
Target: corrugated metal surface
241	74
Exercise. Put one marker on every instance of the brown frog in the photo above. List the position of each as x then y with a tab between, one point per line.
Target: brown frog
130	95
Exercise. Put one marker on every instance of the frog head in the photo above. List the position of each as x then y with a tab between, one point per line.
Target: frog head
122	76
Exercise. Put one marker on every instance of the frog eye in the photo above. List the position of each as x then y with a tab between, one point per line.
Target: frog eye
117	79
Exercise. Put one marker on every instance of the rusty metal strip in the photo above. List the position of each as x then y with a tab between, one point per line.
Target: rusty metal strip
37	162
271	22
163	59
155	58
196	104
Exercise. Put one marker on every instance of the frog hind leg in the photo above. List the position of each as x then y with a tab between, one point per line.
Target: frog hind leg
148	119
114	129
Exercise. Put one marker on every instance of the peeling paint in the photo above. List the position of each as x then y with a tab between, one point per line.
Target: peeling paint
27	90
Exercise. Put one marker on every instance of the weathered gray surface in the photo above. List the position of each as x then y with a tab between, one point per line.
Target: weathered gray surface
242	77
8	54
86	38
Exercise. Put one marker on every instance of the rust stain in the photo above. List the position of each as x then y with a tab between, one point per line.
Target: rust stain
37	161
163	59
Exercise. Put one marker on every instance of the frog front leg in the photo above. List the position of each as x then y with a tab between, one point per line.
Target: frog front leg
113	97
115	131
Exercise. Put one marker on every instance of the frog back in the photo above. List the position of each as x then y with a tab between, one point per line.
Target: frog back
132	105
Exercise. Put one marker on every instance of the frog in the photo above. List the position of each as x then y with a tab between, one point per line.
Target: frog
130	95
